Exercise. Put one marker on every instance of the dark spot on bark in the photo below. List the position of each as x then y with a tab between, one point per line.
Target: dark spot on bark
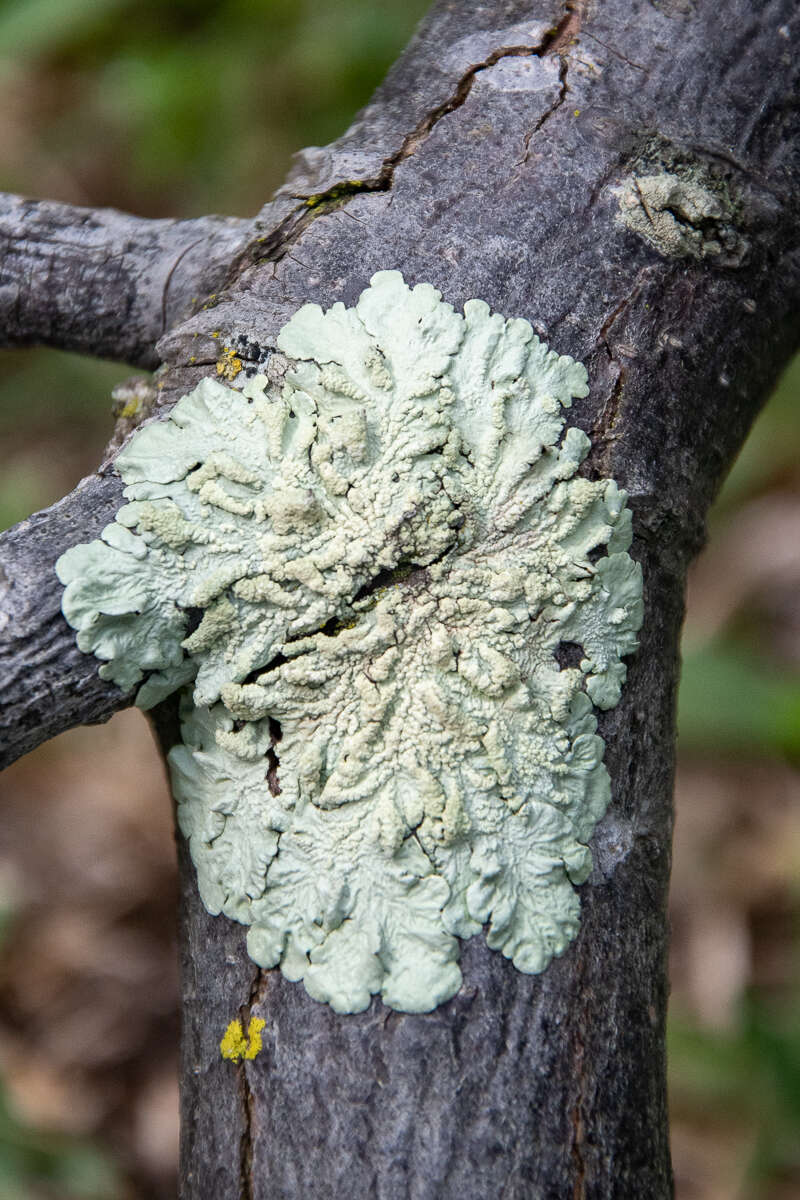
193	618
569	654
276	661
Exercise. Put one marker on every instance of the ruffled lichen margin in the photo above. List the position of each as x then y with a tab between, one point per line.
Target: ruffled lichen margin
369	582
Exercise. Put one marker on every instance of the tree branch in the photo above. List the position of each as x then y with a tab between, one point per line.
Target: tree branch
46	685
102	282
629	185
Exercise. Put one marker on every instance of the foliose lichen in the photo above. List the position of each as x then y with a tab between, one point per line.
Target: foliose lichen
363	579
682	213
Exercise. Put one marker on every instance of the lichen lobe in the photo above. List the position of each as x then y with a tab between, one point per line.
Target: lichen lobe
382	556
682	215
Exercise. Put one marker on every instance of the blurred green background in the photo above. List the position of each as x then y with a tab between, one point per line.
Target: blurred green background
178	109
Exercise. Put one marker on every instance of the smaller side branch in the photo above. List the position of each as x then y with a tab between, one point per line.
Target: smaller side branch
102	282
48	685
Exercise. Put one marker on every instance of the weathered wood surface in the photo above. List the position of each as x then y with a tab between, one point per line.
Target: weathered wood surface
102	282
486	165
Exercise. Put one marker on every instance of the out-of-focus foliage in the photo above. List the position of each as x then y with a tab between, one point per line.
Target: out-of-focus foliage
746	1081
734	1046
42	1165
88	969
172	107
740	688
55	416
737	702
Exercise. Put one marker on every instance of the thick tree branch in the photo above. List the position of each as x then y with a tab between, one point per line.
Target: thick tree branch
504	161
102	282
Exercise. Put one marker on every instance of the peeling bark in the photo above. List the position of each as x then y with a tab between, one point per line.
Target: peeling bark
489	164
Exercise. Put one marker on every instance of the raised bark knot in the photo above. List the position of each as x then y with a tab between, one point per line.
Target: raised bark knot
392	604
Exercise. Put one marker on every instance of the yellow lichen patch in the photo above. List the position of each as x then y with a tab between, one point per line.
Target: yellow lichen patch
235	1046
228	365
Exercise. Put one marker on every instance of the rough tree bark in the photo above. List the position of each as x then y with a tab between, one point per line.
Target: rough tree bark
102	282
486	164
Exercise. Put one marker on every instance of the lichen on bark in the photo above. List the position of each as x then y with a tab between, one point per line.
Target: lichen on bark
384	558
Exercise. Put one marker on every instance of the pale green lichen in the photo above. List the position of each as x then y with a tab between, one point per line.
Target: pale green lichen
367	573
681	215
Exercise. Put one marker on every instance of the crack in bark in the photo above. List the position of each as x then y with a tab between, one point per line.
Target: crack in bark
568	28
276	245
578	1126
414	140
620	310
602	433
258	986
562	95
613	50
246	1140
603	180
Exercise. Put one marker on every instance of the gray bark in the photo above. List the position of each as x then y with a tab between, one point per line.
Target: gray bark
46	687
102	282
486	164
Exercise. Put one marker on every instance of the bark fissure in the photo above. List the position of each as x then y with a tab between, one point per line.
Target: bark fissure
248	1100
613	50
459	97
273	246
577	1127
551	111
246	1145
